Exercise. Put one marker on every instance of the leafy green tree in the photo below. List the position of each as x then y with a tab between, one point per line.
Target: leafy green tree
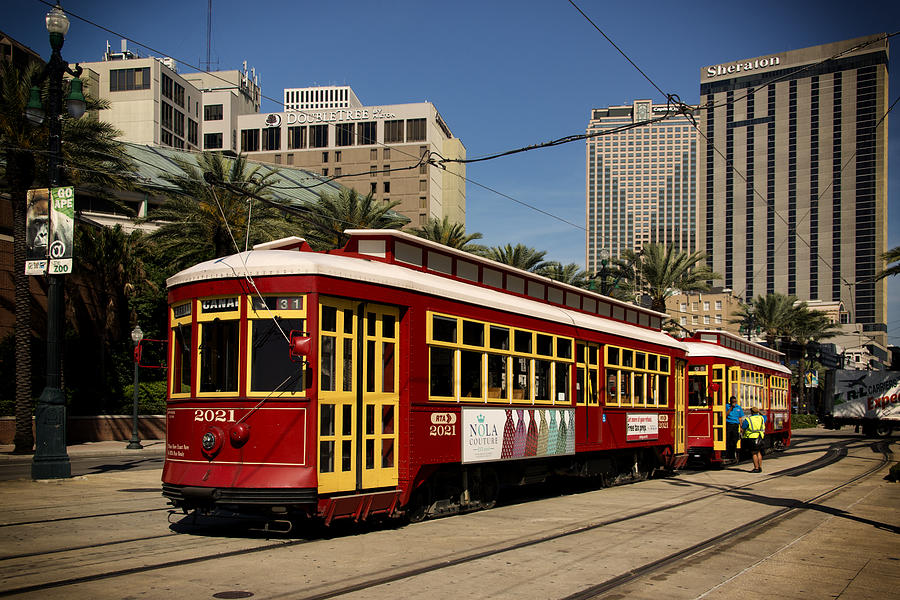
325	220
571	273
805	327
662	271
90	155
201	221
108	272
519	256
450	234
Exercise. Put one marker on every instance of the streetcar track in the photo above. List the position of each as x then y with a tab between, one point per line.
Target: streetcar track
836	452
85	547
77	517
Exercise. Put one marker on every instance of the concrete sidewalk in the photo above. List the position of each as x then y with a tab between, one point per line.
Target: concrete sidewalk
151	448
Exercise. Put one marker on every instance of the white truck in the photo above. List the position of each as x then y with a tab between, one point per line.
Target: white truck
868	399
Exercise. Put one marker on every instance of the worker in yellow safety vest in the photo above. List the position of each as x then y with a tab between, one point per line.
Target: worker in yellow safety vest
754	430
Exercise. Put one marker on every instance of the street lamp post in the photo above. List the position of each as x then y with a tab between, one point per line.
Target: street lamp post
604	270
50	457
136	336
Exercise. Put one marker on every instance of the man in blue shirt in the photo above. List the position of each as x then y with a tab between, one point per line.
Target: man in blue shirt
734	414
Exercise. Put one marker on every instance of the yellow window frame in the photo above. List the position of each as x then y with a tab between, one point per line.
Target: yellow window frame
264	314
187	322
629	373
203	319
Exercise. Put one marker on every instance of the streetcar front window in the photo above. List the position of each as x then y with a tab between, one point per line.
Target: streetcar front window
219	342
271	368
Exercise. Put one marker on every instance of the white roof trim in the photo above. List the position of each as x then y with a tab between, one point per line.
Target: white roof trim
714	350
282	262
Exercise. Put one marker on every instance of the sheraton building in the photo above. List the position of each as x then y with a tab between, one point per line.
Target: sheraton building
793	164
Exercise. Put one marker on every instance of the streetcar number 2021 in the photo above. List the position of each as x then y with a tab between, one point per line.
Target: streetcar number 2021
214	416
442	430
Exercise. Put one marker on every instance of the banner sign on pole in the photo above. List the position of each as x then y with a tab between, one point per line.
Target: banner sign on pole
37	231
62	229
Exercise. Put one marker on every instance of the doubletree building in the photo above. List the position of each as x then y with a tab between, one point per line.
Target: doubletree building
793	192
378	149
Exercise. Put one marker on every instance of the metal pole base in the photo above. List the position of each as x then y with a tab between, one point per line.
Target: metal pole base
134	445
51	461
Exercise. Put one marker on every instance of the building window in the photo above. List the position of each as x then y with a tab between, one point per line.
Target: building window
249	140
387	154
423	185
192	131
179	95
367	133
393	132
212	112
271	138
343	134
318	136
415	130
372	171
338	172
423	169
718	318
166	116
387	187
121	80
373	188
178	123
296	137
289	160
324	157
373	154
718	305
166	137
337	156
166	86
705	305
212	140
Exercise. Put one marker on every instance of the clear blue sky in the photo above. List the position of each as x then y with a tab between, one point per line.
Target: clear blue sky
503	74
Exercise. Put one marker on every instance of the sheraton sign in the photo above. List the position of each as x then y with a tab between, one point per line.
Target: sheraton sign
740	67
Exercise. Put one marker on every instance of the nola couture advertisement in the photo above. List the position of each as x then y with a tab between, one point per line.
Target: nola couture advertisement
867	394
492	434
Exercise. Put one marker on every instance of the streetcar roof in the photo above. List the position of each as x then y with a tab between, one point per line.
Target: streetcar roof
707	349
262	263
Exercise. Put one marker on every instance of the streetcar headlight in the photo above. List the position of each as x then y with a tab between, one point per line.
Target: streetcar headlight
211	442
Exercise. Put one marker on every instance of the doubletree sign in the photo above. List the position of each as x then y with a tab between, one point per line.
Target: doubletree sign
50	231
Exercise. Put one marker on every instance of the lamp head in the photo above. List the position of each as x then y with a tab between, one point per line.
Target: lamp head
57	26
137	334
34	110
75	102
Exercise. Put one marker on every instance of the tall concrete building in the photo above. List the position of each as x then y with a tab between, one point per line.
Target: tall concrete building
794	198
377	149
641	182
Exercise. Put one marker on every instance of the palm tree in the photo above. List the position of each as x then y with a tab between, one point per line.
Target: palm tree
662	271
772	315
805	327
519	256
449	234
891	256
90	155
325	220
201	221
571	273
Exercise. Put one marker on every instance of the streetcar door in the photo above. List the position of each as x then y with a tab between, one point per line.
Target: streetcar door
380	396
588	411
720	400
337	395
679	406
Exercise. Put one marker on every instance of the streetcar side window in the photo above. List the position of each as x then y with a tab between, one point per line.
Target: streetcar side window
441	371
182	350
636	378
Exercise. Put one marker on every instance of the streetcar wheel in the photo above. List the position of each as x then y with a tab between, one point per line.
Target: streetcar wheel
419	502
490	488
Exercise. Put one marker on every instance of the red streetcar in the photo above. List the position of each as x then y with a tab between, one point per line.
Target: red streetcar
721	365
399	376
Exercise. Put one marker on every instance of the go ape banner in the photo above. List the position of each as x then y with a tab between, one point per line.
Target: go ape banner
867	394
50	231
492	434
